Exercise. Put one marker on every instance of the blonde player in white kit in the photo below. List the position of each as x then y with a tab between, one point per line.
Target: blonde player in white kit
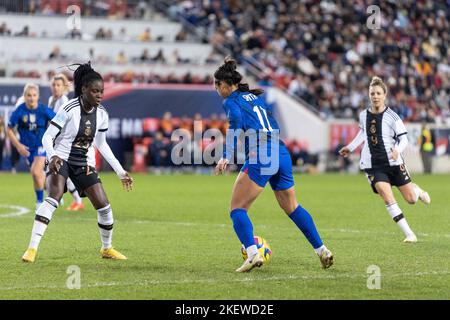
385	138
60	87
68	141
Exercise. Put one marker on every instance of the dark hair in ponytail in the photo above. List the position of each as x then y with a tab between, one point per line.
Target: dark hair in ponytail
227	73
83	76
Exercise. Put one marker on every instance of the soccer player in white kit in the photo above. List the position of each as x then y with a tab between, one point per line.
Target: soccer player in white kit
60	87
385	138
68	141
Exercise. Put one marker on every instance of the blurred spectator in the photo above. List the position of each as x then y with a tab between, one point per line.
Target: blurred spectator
2	139
181	35
426	143
299	153
166	125
145	56
123	36
48	10
24	33
4	31
109	34
55	54
159	151
121	58
145	36
100	34
343	163
159	57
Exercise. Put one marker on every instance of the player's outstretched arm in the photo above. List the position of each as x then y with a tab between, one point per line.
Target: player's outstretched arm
345	151
22	149
105	150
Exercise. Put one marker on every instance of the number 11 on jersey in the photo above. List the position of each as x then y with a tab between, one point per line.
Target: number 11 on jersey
260	111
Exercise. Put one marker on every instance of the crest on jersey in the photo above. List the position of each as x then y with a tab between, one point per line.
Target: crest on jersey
374	140
87	131
32	118
373	129
25	118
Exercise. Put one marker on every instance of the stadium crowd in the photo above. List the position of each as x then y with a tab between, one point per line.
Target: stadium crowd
325	52
112	9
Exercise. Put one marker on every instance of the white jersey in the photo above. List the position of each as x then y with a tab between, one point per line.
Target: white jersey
55	105
77	130
381	132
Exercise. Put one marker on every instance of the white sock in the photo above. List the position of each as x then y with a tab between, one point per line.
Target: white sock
251	251
73	190
105	224
320	249
397	215
43	217
417	191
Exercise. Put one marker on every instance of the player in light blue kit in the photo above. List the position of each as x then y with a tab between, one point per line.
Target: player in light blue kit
267	160
31	119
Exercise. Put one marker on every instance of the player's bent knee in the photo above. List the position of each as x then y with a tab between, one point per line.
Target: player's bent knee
411	199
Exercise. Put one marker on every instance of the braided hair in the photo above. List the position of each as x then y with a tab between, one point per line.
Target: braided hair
227	73
83	76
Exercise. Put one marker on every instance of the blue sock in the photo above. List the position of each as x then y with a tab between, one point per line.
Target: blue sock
39	195
243	227
305	223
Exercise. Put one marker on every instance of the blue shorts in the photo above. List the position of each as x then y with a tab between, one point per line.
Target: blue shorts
280	177
35	152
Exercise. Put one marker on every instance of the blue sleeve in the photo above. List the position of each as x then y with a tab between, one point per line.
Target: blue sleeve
235	120
50	114
14	118
234	115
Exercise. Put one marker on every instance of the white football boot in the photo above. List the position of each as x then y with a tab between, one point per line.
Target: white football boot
423	196
251	262
410	239
326	258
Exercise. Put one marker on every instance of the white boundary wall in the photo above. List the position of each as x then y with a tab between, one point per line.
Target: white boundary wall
298	122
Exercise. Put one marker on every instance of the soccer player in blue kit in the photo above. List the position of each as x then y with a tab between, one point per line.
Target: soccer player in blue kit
31	119
249	115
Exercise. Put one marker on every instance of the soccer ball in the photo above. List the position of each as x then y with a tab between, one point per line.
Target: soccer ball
263	248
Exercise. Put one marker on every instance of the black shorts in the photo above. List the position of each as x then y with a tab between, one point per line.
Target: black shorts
82	177
396	176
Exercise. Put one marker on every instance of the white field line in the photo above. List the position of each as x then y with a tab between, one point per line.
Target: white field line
17	211
22	211
222	225
144	283
341	230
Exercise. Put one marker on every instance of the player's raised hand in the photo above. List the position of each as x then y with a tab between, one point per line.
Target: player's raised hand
23	150
127	182
221	166
55	164
345	151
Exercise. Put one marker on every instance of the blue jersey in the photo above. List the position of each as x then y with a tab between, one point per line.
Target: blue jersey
267	159
31	123
247	111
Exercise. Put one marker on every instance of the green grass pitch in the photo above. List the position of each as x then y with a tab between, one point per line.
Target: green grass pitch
178	236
